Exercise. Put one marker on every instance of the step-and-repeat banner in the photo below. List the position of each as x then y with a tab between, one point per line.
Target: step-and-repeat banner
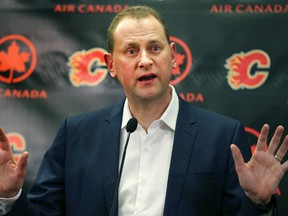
232	59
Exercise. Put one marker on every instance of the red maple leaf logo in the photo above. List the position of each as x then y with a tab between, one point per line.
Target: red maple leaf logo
183	62
13	60
180	60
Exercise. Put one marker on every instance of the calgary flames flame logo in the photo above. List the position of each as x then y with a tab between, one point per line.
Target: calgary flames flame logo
18	144
247	70
87	67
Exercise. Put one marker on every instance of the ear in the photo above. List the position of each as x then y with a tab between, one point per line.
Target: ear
173	54
109	62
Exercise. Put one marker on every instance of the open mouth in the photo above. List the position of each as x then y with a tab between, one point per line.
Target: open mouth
146	78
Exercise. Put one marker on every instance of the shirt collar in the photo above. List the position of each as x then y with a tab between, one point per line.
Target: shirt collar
169	117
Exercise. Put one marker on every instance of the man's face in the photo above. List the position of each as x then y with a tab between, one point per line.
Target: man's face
142	59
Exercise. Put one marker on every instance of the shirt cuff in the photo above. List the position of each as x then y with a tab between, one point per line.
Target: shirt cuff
6	204
265	210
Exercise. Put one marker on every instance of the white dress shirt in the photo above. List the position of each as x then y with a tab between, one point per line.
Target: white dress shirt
144	179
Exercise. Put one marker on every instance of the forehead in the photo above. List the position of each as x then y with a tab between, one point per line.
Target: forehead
136	29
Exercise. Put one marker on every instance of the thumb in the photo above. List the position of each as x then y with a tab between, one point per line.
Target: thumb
22	164
238	158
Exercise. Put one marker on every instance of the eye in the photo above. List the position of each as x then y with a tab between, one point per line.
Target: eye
131	51
155	48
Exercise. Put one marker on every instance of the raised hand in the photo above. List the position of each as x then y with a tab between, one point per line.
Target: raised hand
12	173
261	175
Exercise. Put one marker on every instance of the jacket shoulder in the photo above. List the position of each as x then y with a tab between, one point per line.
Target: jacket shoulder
96	117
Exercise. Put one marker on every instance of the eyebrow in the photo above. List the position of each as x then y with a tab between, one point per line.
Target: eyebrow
135	43
154	41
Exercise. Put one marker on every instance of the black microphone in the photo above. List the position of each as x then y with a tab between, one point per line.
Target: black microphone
130	128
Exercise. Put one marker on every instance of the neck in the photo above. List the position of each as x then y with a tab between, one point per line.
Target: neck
147	112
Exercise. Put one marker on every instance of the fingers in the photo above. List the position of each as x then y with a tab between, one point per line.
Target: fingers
5	146
285	166
22	164
282	149
274	143
238	158
262	139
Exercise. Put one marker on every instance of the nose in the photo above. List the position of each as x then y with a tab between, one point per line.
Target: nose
145	60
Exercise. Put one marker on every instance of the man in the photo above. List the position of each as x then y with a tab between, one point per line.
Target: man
179	160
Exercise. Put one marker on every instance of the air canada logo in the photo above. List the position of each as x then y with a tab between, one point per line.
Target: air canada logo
183	59
247	70
253	137
18	58
17	143
87	68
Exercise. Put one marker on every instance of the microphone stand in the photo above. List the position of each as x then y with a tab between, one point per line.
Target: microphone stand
115	198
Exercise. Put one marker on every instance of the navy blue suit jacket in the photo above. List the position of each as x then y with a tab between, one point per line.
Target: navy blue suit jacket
78	173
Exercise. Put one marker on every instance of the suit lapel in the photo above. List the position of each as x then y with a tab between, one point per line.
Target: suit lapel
185	134
110	154
186	131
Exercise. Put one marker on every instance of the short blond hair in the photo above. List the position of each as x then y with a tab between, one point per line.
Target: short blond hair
136	12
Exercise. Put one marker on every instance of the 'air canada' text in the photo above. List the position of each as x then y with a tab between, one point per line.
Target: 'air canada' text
23	93
249	8
89	8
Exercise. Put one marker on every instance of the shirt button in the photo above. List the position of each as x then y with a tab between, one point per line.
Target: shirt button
143	181
146	149
136	213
